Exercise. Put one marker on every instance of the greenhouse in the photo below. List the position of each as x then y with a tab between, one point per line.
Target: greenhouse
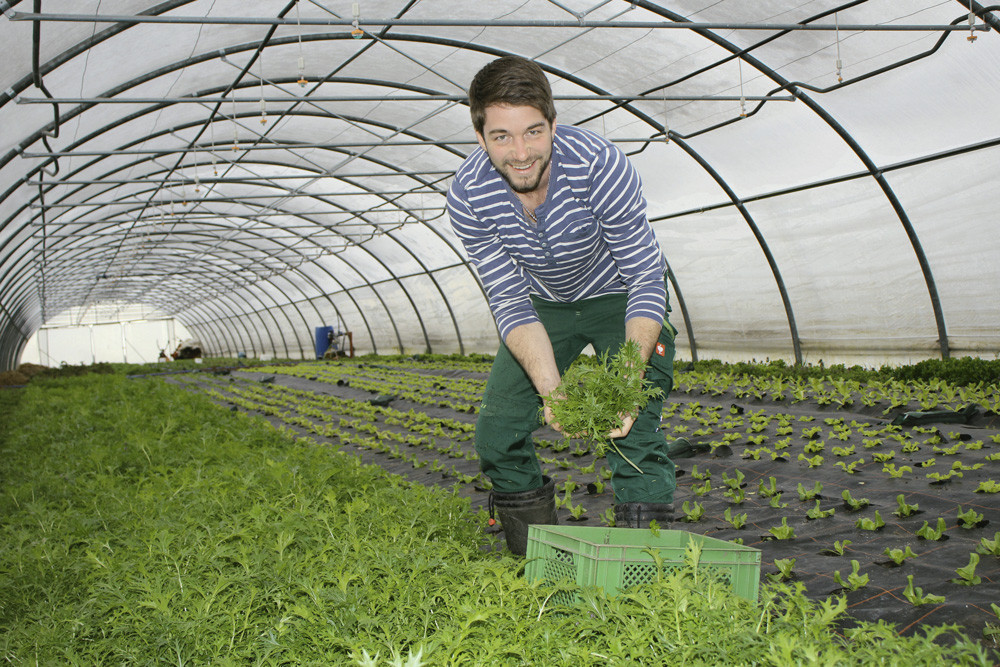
818	174
229	233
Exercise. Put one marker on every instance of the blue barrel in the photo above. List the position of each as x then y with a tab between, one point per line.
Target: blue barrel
323	336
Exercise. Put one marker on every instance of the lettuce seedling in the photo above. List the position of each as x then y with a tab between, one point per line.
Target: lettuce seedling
854	579
784	531
905	509
817	513
766	490
805	495
899	555
737	520
840	547
933	534
864	523
970	518
692	514
968	573
989	547
784	566
916	595
852	503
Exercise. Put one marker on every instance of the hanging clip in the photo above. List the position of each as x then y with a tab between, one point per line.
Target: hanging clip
302	68
972	25
357	32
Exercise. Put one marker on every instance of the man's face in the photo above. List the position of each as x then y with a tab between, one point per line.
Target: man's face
518	141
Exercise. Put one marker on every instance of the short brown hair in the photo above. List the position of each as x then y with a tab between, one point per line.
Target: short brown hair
510	80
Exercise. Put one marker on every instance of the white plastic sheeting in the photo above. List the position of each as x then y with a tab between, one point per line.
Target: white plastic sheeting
844	221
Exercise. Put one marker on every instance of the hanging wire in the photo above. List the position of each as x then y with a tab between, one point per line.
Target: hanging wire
743	99
211	129
302	59
840	65
666	129
236	135
263	104
197	181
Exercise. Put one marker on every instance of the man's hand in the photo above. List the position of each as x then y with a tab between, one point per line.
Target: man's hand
550	418
622	431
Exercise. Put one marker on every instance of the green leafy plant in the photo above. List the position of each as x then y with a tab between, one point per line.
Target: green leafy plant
933	534
817	513
608	518
806	495
702	489
852	467
735	481
855	580
785	567
938	478
916	595
814	447
967	575
854	504
839	547
784	531
695	474
864	523
813	462
692	513
737	520
899	555
904	509
735	495
775	501
989	486
591	399
768	489
988	546
970	518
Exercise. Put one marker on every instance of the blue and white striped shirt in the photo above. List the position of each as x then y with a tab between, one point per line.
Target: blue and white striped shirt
592	237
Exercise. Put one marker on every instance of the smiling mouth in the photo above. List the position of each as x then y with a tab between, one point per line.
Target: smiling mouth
520	168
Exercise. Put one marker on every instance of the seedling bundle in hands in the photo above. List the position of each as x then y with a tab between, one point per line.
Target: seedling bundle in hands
592	400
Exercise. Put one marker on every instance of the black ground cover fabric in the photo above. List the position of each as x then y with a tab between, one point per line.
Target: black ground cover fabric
934	568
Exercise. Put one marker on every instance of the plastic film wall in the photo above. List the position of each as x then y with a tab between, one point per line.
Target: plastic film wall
819	174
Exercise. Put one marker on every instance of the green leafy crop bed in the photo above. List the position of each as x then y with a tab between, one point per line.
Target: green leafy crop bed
143	523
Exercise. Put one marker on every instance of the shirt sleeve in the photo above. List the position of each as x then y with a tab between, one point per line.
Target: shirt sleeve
507	288
617	201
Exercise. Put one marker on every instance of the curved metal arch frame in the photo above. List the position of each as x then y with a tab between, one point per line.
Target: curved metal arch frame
889	194
367	158
848	139
307	277
257	46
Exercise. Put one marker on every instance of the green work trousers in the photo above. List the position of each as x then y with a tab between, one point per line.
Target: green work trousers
511	409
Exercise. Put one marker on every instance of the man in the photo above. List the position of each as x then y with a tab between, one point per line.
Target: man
554	221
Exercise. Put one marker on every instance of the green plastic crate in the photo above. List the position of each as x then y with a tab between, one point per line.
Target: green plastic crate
616	558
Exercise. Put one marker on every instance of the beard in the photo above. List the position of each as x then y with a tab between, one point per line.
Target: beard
522	187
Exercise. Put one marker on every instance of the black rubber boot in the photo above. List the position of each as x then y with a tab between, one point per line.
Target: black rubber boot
638	515
517	510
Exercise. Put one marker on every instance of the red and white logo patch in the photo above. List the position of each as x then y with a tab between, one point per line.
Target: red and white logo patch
661	349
